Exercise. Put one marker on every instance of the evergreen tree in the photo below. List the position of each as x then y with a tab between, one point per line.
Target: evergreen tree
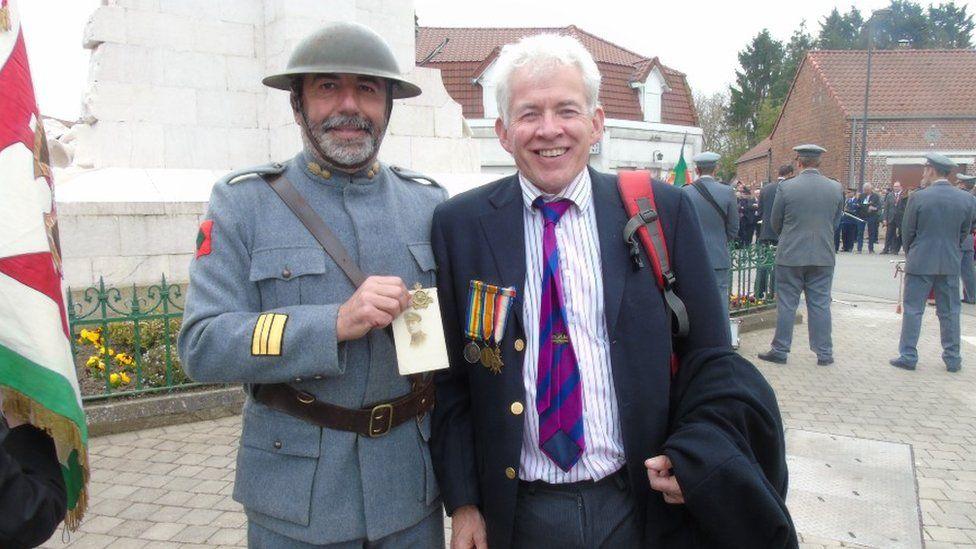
902	20
840	32
760	67
950	27
796	49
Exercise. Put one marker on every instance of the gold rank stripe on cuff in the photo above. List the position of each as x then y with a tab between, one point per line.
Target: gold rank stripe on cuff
269	334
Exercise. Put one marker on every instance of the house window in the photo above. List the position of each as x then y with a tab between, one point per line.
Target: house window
652	104
650	92
488	100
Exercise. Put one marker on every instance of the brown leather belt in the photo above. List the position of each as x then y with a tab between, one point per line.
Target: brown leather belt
371	421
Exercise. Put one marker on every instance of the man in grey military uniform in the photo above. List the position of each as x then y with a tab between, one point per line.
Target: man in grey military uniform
967	183
805	213
938	223
334	444
718	214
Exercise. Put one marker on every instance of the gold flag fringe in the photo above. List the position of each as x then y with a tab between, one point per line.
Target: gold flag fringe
4	19
66	435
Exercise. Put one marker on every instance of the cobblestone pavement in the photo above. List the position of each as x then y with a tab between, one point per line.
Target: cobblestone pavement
170	487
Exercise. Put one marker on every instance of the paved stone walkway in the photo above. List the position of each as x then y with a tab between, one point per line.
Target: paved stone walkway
170	487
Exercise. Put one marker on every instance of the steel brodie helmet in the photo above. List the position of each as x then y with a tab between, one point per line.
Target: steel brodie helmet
344	48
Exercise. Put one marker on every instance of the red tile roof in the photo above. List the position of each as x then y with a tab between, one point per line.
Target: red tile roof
760	150
903	82
464	56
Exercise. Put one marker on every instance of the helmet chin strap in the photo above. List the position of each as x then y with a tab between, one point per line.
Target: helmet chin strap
310	140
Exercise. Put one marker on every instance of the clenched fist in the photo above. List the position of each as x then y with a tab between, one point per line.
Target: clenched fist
375	304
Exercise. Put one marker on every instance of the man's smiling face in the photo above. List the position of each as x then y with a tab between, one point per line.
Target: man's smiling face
550	128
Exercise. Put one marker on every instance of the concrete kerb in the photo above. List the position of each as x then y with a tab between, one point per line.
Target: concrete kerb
146	412
760	319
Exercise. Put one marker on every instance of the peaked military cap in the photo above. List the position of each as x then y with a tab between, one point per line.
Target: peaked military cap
706	159
936	160
809	150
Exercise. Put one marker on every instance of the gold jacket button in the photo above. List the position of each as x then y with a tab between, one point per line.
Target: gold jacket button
517	408
519	345
510	473
277	445
286	274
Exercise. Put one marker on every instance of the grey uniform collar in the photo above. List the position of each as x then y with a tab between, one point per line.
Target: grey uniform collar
324	173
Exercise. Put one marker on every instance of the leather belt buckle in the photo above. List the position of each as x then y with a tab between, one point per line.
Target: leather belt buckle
305	398
380	420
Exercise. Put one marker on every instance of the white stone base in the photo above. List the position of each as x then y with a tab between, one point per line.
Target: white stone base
131	226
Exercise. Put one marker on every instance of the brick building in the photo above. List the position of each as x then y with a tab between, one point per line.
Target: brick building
920	101
648	105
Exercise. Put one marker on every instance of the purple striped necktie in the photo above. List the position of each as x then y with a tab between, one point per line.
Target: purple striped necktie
559	395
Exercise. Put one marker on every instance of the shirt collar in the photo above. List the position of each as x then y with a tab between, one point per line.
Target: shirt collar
579	191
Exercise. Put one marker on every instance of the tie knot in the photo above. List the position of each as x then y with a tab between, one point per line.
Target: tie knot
552	211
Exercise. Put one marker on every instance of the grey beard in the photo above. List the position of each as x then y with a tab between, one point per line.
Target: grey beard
340	151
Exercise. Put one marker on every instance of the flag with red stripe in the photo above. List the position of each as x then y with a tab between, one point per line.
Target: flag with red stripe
38	383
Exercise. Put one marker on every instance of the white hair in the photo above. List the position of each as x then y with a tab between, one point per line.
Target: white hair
542	53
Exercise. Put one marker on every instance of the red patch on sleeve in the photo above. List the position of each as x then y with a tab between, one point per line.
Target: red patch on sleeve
204	242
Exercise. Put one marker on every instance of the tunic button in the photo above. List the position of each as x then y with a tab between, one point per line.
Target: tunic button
286	274
510	473
277	445
517	408
519	345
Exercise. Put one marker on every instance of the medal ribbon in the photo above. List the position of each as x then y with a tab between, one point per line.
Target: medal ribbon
503	303
475	306
488	313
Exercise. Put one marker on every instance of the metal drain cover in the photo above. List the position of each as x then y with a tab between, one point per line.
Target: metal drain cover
853	490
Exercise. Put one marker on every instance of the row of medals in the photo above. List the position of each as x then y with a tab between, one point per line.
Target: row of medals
490	357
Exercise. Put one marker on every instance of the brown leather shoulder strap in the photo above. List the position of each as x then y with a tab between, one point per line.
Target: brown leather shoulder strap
315	225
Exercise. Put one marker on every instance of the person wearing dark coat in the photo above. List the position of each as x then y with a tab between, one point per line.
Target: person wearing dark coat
868	209
33	500
631	456
846	232
766	276
892	213
748	206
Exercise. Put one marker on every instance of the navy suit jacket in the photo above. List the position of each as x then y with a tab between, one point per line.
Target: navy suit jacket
479	235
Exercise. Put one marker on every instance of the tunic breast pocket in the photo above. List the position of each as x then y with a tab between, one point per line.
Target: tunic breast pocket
423	254
282	273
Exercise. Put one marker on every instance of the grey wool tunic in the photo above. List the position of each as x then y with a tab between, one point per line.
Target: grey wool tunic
262	308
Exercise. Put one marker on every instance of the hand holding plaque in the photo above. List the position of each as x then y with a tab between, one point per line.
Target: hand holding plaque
419	335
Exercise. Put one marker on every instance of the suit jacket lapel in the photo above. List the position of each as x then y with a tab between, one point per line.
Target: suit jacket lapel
504	230
614	255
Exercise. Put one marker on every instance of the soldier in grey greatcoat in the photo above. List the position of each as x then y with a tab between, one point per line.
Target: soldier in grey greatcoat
805	213
268	308
938	223
967	183
718	213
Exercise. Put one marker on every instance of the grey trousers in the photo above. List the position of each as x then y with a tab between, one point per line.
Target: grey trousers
723	278
426	534
968	277
917	288
815	283
577	516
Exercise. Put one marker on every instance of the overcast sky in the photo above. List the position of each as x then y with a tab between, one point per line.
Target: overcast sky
699	38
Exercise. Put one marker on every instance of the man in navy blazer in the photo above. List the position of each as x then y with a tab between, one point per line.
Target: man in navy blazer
653	459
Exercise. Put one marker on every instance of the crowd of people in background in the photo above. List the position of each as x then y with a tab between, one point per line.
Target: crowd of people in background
866	215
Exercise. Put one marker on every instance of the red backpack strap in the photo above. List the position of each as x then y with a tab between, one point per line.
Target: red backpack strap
644	225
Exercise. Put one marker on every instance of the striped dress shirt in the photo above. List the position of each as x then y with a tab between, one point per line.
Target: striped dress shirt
580	270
